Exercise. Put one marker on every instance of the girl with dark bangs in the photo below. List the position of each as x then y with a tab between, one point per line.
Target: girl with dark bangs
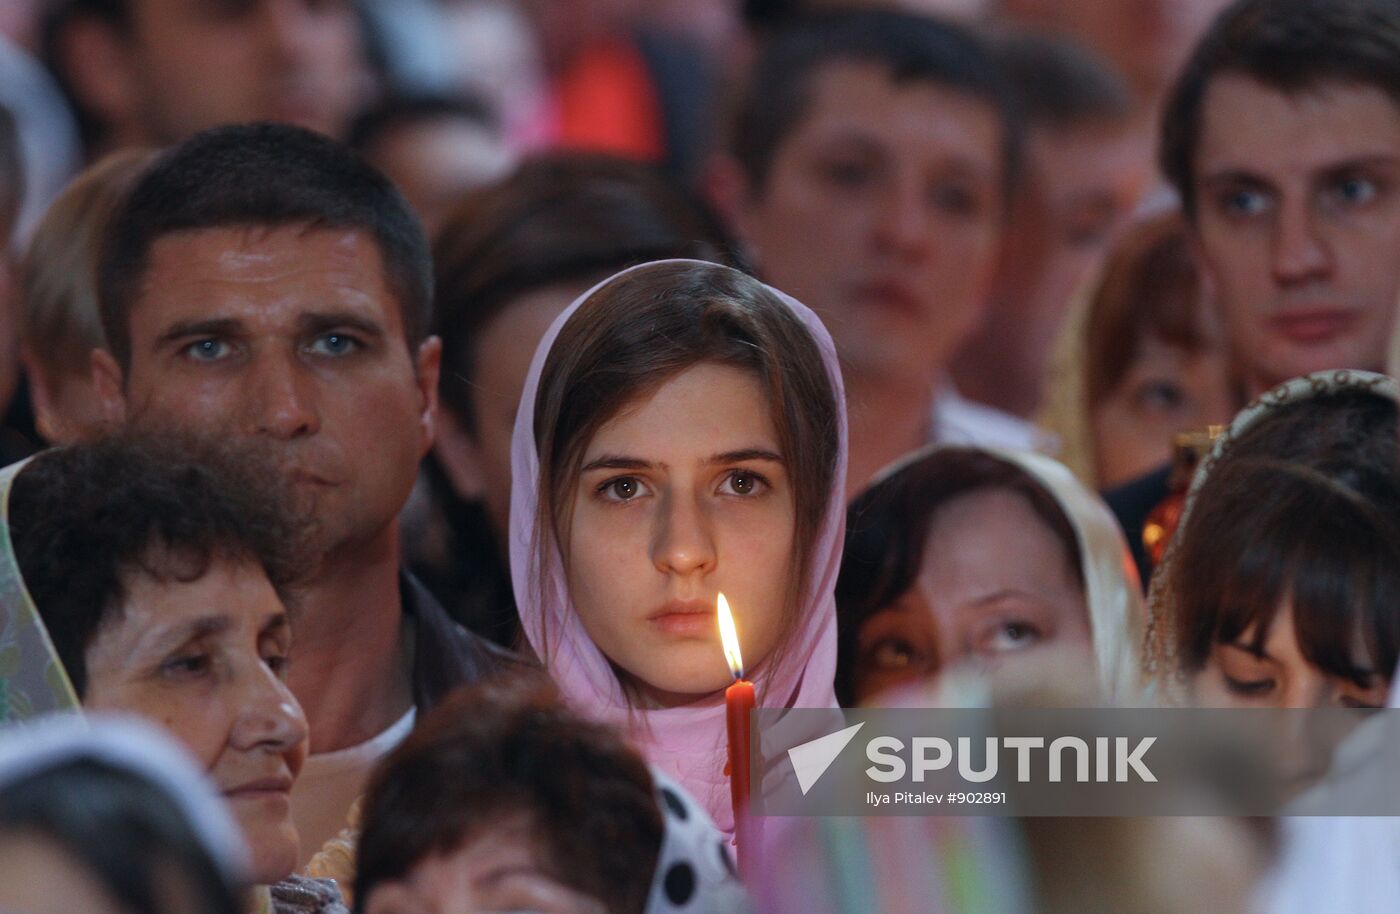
1282	588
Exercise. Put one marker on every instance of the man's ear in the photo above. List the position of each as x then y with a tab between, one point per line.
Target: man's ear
96	59
458	456
725	186
427	365
109	386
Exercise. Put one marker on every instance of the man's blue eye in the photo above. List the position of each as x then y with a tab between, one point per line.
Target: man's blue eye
1357	190
208	350
1245	202
335	344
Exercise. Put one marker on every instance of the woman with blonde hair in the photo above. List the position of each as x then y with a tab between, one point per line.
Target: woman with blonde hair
61	324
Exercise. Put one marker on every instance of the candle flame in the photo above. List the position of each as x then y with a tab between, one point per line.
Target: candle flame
729	638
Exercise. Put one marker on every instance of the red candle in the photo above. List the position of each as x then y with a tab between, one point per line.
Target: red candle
738	702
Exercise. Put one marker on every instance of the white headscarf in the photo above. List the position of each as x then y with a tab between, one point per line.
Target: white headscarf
32	678
135	746
1112	591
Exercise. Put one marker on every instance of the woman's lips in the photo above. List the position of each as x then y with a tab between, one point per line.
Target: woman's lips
686	618
1314	325
277	787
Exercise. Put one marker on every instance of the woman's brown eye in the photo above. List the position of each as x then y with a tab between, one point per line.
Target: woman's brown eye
1249	687
892	654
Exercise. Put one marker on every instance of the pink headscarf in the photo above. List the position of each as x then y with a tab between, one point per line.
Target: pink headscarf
688	742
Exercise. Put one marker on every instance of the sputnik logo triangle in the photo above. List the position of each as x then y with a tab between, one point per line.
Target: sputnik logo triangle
811	759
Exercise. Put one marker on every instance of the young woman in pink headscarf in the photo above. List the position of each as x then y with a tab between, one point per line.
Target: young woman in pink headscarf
681	434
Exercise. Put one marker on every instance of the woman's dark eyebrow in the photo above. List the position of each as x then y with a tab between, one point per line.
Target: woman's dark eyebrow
743	454
203	627
621	462
616	462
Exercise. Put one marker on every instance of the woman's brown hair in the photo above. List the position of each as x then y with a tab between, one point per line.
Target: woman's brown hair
1150	285
887	528
646	326
1304	509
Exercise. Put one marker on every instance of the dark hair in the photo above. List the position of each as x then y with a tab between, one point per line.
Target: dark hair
11	177
1150	285
84	519
1060	83
125	831
506	747
559	218
1287	45
117	12
887	527
642	329
915	49
261	175
1304	507
397	111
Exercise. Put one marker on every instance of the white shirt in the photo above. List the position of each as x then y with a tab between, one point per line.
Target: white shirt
957	420
331	782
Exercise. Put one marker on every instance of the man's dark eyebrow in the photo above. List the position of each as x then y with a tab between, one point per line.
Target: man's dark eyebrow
210	327
321	322
1234	175
1360	162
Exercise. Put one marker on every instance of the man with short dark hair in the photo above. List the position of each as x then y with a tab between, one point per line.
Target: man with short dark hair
1085	169
152	72
869	172
263	282
1282	137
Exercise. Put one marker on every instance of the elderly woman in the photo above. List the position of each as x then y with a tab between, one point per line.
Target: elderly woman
158	573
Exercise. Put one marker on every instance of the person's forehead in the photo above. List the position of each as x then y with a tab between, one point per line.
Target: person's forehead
273	274
1250	126
1099	155
866	95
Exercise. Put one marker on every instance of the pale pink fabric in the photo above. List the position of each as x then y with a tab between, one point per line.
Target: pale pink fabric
689	742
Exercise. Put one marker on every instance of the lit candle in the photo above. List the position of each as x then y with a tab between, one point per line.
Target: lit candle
738	702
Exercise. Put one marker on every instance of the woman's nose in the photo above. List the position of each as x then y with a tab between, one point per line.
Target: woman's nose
684	543
269	716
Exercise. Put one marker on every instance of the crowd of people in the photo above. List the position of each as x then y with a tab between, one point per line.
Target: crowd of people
390	388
